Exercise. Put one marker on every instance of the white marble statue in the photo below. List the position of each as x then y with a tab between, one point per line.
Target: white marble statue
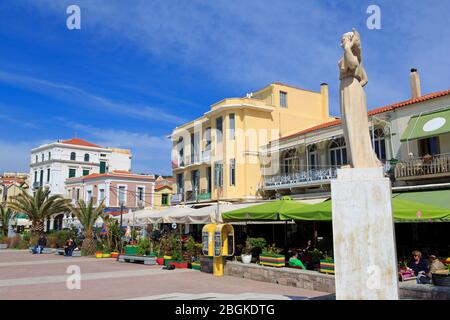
353	78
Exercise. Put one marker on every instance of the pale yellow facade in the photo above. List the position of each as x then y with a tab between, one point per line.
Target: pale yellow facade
209	163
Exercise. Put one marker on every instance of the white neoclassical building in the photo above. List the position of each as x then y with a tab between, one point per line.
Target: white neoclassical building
51	164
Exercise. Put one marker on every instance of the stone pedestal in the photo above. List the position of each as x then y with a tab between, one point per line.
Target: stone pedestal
364	239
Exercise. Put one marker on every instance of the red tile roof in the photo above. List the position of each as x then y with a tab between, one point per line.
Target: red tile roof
114	174
390	107
157	188
80	142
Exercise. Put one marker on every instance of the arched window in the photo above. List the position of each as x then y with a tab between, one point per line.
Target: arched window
73	156
86	157
312	156
42	157
49	155
338	152
379	144
290	162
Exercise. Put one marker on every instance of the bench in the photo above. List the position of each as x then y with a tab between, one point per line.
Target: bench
130	258
44	250
61	252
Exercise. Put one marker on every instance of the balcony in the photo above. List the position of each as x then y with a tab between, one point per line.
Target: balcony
177	164
300	179
437	166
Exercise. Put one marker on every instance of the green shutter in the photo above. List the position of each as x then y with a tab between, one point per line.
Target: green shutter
102	166
72	173
85	173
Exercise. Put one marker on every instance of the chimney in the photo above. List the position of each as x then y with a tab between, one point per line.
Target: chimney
414	81
324	93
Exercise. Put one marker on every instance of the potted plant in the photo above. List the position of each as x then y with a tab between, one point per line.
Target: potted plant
315	256
246	255
270	257
327	264
143	248
177	253
98	251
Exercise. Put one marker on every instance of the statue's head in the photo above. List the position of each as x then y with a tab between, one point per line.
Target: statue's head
355	40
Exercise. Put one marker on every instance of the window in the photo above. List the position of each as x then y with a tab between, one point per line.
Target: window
218	174
232	126
195	180
379	144
101	195
180	183
73	156
429	146
78	194
35	176
49	156
102	155
42	157
312	152
195	147
140	194
86	157
48	175
338	152
232	172
72	173
36	158
122	199
219	129
180	147
85	172
41	180
89	195
102	166
283	99
164	199
290	162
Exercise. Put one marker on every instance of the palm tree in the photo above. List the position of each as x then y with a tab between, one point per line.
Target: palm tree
87	214
38	207
6	214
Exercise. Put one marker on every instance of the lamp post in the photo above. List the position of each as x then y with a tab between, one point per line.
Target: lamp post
120	229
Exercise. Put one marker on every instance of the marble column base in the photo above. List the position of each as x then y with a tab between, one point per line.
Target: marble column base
363	235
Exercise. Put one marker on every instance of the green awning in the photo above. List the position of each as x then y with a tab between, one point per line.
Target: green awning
439	198
21	216
265	211
404	211
427	125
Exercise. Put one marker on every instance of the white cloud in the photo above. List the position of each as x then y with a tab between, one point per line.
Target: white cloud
15	156
81	98
151	154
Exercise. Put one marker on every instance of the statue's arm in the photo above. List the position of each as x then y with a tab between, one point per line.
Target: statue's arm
350	60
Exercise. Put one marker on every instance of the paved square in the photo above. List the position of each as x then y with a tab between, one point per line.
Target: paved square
27	276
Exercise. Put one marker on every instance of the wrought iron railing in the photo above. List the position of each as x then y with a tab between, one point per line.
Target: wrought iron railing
303	177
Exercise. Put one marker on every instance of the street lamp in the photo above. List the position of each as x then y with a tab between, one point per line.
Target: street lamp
120	229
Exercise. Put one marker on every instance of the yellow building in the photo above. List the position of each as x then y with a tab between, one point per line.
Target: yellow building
216	155
164	189
12	184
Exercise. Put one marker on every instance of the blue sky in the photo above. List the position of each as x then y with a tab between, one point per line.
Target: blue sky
138	68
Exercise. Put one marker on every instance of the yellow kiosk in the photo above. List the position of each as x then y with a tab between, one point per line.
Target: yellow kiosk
218	242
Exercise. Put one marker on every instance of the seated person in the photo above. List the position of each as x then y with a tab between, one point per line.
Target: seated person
435	265
295	262
419	266
69	247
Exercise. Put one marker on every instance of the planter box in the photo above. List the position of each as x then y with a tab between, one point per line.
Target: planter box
179	264
160	261
272	260
146	260
99	255
106	255
114	254
195	266
131	250
167	261
327	266
3	246
441	279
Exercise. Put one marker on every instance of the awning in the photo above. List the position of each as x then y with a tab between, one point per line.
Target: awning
404	211
427	125
265	211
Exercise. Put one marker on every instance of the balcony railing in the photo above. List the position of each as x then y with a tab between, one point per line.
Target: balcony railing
308	177
426	167
303	177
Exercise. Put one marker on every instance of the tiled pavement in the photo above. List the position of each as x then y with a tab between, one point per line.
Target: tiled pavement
27	276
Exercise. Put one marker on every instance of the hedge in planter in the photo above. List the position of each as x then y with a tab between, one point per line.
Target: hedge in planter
327	266
270	257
